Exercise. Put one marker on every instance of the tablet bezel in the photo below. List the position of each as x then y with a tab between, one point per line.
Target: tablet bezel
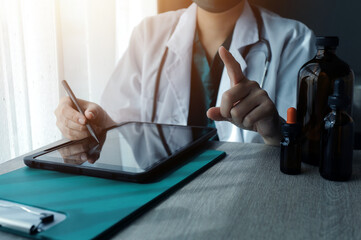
154	173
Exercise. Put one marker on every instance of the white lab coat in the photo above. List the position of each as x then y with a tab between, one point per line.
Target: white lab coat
129	94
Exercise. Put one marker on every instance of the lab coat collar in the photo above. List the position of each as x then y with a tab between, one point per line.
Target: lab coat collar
181	42
245	33
180	47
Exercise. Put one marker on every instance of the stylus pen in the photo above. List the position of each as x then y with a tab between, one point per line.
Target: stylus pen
73	99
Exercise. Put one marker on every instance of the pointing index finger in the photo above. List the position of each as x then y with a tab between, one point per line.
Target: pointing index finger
234	69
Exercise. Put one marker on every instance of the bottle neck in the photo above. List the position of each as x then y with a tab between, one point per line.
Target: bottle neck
322	52
338	111
340	117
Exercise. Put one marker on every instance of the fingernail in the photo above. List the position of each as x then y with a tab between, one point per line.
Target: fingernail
81	120
92	115
83	157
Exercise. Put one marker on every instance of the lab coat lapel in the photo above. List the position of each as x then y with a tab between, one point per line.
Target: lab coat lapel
179	62
245	33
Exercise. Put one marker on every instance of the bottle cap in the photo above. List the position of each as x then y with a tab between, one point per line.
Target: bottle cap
339	98
327	42
291	127
291	115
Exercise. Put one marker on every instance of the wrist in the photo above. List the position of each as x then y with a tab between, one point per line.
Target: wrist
273	141
276	137
109	121
105	121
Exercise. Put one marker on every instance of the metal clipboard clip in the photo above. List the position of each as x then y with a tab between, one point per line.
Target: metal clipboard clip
27	219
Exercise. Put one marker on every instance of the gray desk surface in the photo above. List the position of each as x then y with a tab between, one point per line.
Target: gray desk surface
245	196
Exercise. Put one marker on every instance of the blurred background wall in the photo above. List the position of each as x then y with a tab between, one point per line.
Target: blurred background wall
45	41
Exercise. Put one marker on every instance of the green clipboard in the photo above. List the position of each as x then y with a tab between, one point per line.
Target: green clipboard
94	207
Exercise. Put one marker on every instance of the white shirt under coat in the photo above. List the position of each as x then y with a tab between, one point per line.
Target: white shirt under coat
129	94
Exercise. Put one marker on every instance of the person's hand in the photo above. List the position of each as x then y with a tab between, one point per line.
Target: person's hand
72	123
246	105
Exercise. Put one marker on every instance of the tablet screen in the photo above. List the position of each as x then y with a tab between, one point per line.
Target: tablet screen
133	147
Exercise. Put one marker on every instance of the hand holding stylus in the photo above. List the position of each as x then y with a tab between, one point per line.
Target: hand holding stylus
72	123
75	102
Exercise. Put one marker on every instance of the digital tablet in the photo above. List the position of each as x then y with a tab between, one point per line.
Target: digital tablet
134	151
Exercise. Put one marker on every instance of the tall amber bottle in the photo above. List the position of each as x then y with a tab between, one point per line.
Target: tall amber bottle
316	79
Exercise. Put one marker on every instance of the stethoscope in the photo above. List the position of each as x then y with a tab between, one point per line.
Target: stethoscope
262	45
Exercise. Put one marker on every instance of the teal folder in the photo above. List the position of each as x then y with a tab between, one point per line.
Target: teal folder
94	207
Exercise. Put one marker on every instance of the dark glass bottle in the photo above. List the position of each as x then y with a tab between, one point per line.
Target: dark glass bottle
290	161
316	79
337	137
